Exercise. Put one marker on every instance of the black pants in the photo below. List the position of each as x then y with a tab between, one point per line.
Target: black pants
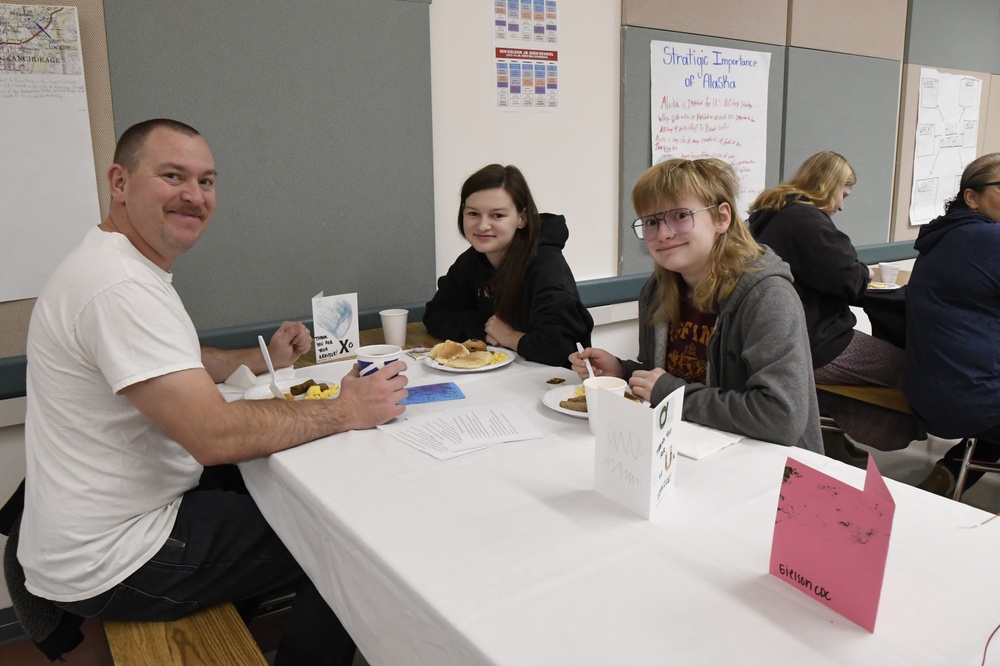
222	549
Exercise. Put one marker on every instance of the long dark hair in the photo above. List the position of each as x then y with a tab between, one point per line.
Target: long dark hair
979	172
508	283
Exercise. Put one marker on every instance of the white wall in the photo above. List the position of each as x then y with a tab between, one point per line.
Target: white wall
569	156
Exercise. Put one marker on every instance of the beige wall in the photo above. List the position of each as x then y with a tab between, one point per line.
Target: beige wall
859	27
766	21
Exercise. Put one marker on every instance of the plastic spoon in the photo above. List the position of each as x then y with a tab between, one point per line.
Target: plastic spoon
590	368
270	368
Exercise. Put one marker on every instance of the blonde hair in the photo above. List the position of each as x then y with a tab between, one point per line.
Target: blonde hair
817	182
714	182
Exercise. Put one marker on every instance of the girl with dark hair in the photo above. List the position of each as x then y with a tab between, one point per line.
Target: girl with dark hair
952	309
512	288
718	315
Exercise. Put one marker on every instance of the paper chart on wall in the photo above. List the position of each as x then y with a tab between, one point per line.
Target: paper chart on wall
711	102
946	139
48	189
526	54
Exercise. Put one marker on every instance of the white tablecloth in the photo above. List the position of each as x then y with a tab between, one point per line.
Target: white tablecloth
508	556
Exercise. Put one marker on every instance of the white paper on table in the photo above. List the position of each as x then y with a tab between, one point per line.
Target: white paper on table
453	432
697	441
243	380
634	451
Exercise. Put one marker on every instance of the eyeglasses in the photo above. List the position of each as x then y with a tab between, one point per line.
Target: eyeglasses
678	220
985	185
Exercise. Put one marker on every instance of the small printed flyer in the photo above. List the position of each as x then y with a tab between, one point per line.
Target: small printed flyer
526	55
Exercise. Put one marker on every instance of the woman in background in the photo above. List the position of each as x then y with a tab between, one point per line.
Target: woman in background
952	315
718	315
513	287
795	220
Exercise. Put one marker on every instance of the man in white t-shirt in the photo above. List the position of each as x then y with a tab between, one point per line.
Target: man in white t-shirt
120	522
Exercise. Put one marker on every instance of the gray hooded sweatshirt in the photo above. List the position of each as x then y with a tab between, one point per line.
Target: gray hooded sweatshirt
760	377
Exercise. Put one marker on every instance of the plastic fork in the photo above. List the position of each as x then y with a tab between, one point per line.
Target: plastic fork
590	368
270	368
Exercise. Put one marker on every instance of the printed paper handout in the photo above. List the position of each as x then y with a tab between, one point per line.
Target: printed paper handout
635	450
462	430
831	539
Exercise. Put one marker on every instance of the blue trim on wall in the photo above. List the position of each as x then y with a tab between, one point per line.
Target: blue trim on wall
593	293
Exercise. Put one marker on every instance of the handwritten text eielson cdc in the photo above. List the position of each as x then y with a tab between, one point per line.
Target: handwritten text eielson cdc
804	582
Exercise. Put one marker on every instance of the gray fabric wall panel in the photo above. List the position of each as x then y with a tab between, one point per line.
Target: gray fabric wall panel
635	126
955	35
849	104
319	117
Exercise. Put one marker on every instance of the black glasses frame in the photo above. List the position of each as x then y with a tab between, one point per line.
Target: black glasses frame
639	224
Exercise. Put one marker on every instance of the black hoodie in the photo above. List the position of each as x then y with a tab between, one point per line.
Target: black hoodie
829	278
952	377
553	318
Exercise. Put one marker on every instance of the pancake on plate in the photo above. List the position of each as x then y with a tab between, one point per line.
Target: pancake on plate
470	360
448	351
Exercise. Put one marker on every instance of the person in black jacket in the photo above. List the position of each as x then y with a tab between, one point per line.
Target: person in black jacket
795	220
952	309
512	288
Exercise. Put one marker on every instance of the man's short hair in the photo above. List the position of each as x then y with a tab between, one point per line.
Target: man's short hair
128	151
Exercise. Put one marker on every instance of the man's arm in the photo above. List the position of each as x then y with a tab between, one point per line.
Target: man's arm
188	407
289	342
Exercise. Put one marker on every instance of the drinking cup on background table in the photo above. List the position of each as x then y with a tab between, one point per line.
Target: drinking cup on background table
888	272
394	326
372	358
593	384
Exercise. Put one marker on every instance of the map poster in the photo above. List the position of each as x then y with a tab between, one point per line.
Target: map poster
947	138
709	101
48	188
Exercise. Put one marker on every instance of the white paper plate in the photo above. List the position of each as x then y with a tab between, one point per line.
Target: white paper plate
553	397
511	355
263	391
883	286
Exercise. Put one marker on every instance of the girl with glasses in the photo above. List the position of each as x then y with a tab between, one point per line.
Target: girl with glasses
512	287
795	220
718	315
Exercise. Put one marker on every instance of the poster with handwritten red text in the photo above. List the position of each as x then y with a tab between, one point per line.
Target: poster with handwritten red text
831	539
709	101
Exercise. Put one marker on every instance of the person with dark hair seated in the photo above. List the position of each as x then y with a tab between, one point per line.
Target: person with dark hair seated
124	417
952	314
513	287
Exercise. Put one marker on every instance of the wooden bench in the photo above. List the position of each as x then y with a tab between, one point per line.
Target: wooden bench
881	396
214	636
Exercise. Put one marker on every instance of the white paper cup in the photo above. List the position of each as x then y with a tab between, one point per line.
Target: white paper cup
888	273
394	326
372	358
593	384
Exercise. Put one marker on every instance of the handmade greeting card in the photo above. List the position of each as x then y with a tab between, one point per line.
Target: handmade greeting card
635	451
335	326
831	539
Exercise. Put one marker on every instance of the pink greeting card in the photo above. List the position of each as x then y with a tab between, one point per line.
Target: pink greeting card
831	539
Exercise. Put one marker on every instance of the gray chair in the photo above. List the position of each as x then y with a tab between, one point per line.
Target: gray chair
970	465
